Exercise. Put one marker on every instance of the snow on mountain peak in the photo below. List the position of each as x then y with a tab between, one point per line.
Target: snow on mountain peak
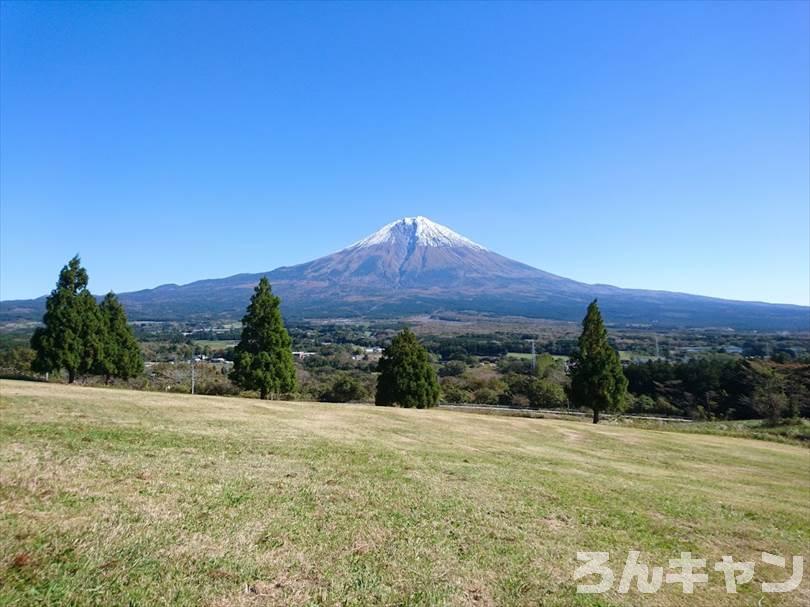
418	231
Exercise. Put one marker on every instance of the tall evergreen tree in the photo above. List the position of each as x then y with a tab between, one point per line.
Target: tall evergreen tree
406	376
597	379
263	358
71	337
120	354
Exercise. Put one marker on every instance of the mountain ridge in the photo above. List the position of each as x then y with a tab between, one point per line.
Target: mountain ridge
414	265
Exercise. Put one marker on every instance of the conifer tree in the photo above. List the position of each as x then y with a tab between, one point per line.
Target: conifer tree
120	354
263	358
597	378
406	376
71	337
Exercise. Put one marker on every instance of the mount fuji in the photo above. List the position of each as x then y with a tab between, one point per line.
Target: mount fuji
416	266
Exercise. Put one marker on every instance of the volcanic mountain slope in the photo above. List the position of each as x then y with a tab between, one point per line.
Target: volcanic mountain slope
414	266
415	254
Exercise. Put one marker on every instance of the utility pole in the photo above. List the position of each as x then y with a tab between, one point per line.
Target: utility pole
192	371
657	351
534	357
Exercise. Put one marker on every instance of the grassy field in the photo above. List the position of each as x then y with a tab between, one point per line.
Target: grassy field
112	497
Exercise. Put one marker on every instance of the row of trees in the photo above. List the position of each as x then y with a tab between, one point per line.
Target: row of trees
408	379
263	360
83	337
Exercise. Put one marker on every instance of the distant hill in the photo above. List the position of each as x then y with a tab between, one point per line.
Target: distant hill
415	266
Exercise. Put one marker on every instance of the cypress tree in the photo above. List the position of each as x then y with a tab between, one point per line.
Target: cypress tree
406	376
71	336
120	355
597	378
263	358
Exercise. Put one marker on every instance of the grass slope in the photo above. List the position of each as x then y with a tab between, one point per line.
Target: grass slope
112	497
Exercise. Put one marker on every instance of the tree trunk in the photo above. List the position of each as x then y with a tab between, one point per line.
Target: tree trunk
107	380
71	376
263	393
596	416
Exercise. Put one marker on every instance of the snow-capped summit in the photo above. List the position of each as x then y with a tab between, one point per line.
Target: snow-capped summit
417	231
411	252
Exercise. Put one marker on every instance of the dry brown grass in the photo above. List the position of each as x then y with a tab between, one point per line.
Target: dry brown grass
111	496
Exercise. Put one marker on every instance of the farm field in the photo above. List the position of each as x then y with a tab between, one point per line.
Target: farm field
114	497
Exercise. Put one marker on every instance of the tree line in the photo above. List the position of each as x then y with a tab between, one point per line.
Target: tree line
81	337
720	387
408	379
263	360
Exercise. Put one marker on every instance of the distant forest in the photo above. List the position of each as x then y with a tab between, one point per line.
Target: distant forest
697	375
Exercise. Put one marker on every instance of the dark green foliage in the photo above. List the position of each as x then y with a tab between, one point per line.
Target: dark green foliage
263	358
721	387
546	394
72	337
777	392
797	387
120	355
710	387
453	393
452	369
520	366
344	389
533	391
460	347
406	377
597	380
15	362
769	399
487	396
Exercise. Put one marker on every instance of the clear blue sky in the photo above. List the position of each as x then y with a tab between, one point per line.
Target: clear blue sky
647	145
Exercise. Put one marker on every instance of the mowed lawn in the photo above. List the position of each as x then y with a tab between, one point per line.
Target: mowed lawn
112	497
